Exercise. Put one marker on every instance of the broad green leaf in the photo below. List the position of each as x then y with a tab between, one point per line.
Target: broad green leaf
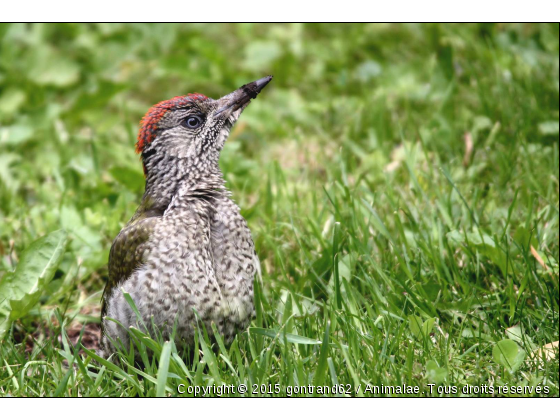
7	161
481	123
344	269
4	324
86	238
420	329
468	333
434	373
15	134
508	354
517	334
483	243
21	290
55	70
428	326
415	325
11	100
20	307
525	239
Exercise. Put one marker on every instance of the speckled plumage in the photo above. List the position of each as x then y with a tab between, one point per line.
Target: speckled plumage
187	249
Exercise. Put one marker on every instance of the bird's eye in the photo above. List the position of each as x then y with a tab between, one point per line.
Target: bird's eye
192	122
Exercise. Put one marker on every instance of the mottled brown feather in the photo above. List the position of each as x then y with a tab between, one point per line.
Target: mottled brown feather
127	251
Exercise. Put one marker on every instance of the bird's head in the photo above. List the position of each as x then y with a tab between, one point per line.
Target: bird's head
191	129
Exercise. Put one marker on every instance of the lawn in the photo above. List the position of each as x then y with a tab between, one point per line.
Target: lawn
400	182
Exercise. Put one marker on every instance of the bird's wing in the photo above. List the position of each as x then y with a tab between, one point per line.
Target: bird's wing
127	251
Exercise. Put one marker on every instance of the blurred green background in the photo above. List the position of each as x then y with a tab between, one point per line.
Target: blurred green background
71	96
411	136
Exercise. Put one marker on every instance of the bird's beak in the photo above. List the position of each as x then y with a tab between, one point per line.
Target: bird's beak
240	98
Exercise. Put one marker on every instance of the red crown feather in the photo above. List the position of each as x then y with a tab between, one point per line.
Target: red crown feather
149	123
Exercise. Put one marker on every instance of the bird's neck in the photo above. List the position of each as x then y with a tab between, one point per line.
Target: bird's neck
174	181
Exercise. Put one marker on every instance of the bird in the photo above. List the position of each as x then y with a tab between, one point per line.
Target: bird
186	257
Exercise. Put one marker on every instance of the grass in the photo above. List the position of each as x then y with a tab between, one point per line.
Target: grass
400	181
